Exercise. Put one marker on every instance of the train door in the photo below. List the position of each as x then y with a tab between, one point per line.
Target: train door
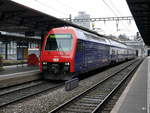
113	54
84	55
117	55
138	53
80	57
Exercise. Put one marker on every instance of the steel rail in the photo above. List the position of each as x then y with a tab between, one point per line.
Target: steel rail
10	89
16	95
58	109
101	105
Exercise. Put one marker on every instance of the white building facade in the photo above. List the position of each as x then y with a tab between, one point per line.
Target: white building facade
83	15
140	47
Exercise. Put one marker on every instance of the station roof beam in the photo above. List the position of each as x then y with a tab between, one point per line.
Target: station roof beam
140	10
17	18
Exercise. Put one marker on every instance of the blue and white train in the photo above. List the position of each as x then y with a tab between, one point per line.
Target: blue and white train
68	51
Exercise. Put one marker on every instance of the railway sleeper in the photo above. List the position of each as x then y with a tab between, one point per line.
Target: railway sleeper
99	95
81	107
66	112
89	102
92	99
85	104
78	110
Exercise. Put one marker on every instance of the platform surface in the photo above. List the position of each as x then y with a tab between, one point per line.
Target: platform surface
17	69
14	75
135	98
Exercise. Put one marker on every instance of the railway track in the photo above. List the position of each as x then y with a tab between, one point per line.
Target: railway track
16	93
93	99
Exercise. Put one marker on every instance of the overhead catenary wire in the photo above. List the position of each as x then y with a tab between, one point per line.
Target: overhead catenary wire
112	10
50	7
64	13
114	6
64	4
118	10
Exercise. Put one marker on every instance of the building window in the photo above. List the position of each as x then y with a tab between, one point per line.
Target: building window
12	50
2	49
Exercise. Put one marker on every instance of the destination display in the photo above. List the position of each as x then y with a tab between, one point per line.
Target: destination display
60	36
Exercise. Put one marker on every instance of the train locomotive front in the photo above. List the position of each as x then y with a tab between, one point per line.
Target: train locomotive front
57	55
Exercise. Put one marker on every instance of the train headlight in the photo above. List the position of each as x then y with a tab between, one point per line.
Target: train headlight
44	63
67	63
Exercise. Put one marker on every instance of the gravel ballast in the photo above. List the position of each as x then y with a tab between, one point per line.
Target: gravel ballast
45	102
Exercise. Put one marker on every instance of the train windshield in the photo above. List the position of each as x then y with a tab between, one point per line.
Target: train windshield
59	42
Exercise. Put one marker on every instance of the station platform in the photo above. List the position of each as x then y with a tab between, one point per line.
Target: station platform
136	96
17	68
17	74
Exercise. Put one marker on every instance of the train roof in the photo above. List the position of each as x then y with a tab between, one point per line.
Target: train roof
117	43
91	37
84	35
99	38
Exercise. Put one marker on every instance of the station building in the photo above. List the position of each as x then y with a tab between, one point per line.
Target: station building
15	46
83	15
139	45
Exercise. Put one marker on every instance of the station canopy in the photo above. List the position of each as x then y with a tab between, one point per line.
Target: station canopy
140	10
18	18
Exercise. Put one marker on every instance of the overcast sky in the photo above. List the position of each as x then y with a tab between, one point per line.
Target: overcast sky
96	8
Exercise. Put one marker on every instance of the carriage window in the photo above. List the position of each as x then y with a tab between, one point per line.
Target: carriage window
59	42
113	52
